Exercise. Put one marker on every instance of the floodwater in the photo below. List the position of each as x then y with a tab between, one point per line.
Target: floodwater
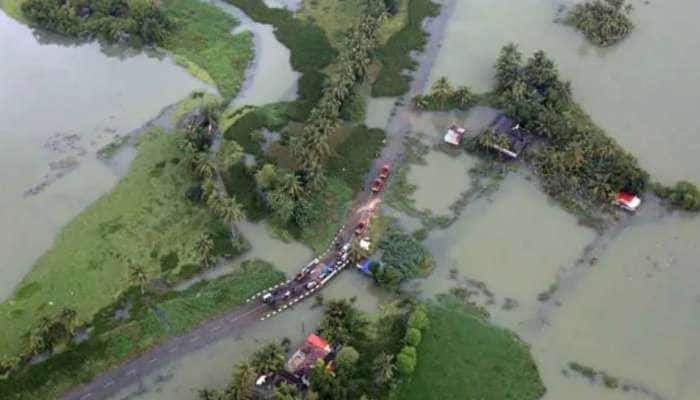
379	111
643	92
61	102
632	310
270	77
212	366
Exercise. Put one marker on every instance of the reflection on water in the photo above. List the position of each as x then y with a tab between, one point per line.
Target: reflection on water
60	103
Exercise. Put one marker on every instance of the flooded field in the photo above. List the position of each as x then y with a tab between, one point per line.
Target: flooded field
211	367
644	91
61	102
633	312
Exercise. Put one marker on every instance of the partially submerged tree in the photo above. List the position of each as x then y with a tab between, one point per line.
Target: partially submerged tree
604	22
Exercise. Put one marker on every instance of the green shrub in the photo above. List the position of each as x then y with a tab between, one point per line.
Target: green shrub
406	361
413	337
683	195
403	256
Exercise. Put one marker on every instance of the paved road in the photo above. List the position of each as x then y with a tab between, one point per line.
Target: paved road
399	126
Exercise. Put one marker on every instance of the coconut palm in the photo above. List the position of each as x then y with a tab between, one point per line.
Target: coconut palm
291	185
241	387
231	211
384	369
204	248
205	168
137	276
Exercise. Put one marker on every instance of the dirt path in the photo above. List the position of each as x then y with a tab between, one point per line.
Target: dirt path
236	321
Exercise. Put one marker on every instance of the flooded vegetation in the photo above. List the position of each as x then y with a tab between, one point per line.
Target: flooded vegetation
606	314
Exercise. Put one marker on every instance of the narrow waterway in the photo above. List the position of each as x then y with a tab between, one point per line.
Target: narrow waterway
270	77
61	102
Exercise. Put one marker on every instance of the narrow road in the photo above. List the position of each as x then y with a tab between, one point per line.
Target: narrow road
255	311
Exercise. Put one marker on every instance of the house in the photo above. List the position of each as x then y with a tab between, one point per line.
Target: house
454	135
517	137
313	349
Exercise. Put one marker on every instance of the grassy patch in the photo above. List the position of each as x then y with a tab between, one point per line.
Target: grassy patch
240	183
395	54
13	9
463	357
201	35
145	216
113	341
244	126
332	204
354	155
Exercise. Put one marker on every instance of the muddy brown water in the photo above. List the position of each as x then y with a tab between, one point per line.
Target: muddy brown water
61	102
632	310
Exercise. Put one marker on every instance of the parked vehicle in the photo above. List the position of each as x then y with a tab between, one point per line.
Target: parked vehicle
377	185
628	201
360	228
384	172
267	297
311	285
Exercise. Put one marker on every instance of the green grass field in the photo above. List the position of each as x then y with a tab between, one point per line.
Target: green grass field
462	357
144	218
114	341
12	8
202	42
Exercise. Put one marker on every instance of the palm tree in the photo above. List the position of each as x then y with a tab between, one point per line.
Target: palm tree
205	168
204	247
241	387
231	211
269	358
137	276
384	369
292	186
357	253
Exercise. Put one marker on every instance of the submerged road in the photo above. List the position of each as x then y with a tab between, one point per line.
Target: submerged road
255	311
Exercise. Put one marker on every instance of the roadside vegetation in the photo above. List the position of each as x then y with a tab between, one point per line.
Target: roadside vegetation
464	357
604	22
403	257
134	323
375	355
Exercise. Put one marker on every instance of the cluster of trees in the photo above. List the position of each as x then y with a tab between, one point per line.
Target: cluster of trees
311	148
52	331
269	358
374	356
207	166
489	138
134	21
683	195
578	161
604	22
403	256
444	97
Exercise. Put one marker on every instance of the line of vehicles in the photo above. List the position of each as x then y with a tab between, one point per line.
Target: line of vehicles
317	272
